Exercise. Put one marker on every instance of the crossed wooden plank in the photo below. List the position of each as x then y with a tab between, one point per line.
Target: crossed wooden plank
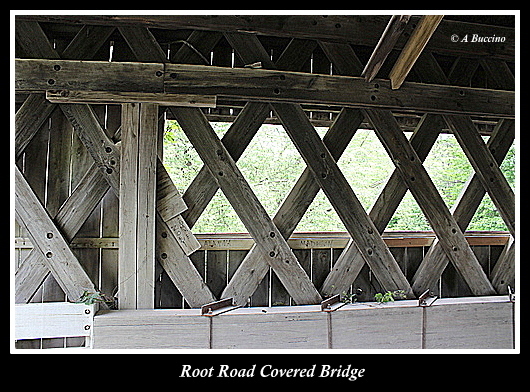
203	187
328	176
344	273
435	261
69	218
107	157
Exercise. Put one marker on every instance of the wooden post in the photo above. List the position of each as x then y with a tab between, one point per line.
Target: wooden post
137	206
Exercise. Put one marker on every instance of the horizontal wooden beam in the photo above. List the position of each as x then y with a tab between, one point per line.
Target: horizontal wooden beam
259	84
109	97
354	29
317	240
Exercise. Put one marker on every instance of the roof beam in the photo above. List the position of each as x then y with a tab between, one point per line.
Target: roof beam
357	30
413	48
396	25
260	85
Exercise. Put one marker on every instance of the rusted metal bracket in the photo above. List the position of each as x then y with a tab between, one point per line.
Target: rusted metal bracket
218	307
427	298
331	304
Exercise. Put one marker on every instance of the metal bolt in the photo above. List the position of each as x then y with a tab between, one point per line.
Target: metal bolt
87	327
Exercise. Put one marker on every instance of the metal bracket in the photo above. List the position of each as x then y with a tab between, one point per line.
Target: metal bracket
511	294
218	307
427	298
331	304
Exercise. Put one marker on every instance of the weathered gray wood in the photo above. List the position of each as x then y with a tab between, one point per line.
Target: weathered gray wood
29	118
503	274
37	75
151	329
246	205
350	262
32	41
413	48
180	268
463	210
143	44
431	203
50	242
137	206
386	43
241	329
469	325
146	199
236	139
106	97
284	86
259	84
334	28
395	325
485	167
128	177
254	267
101	148
343	58
169	203
336	187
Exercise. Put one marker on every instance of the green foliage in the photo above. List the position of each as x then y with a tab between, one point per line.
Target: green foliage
91	298
389	296
271	164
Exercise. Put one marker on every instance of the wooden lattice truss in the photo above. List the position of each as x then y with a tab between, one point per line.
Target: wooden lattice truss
155	220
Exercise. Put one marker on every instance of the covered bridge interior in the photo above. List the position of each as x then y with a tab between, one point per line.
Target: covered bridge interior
99	219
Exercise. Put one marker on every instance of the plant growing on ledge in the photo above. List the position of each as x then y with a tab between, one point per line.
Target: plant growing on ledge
91	298
389	296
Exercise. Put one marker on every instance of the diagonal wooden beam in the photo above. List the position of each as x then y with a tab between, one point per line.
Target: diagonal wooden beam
430	201
254	267
48	239
29	118
249	209
433	264
337	189
238	136
413	48
350	261
485	167
106	155
394	28
105	152
203	187
69	219
503	274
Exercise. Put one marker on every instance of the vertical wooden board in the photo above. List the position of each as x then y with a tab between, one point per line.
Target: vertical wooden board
128	206
320	266
278	293
414	259
259	330
261	295
150	329
167	295
110	216
147	159
453	284
381	327
216	270
469	326
368	283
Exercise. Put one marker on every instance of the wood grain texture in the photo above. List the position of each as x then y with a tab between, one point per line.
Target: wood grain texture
431	203
247	206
